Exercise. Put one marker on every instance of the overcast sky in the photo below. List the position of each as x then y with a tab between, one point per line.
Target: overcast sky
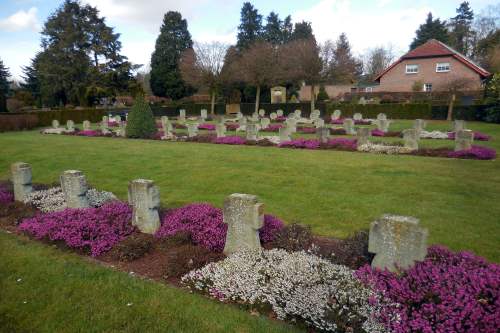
368	23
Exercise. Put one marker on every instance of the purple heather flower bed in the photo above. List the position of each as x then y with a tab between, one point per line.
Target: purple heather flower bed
377	132
272	128
306	130
343	143
206	126
89	133
478	136
362	122
300	144
337	121
280	119
97	229
338	143
447	292
230	140
476	152
205	224
114	124
6	196
232	126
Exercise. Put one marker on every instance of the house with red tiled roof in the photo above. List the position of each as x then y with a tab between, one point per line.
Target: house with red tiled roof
433	66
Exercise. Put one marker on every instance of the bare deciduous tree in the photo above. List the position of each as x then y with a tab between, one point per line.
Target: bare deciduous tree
260	65
301	61
453	85
202	67
377	59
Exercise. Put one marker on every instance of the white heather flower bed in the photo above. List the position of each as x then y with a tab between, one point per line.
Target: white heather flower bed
433	135
298	286
378	148
52	199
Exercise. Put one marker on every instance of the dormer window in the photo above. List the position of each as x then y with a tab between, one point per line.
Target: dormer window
442	67
411	69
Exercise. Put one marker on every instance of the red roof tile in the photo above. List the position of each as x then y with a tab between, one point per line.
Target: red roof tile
435	48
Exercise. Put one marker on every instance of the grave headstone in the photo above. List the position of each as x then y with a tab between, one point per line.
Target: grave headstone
349	126
74	187
284	134
192	129
336	114
144	197
86	125
265	122
262	112
463	139
291	124
411	137
273	115
203	114
220	130
182	116
21	179
55	124
298	113
397	241
319	123
357	116
419	125
382	125
323	134
363	135
251	130
279	113
70	126
105	119
381	116
244	216
458	125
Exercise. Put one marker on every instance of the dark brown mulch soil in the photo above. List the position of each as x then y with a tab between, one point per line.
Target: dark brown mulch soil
13	213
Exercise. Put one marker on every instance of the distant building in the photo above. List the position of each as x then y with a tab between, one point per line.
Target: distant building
433	66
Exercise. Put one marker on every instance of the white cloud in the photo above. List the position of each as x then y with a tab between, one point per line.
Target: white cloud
21	20
148	14
364	29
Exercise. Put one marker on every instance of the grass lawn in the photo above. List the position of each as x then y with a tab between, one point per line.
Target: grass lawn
335	192
43	289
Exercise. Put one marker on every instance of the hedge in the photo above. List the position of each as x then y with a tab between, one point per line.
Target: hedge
393	111
17	122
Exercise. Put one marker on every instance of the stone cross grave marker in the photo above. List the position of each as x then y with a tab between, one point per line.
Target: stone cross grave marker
382	116
203	114
70	126
397	241
21	179
323	134
419	125
357	116
220	130
86	125
144	197
74	186
192	130
411	137
336	114
279	113
273	115
382	125
262	112
55	124
463	139
251	130
298	114
363	135
458	125
284	134
349	126
244	216
265	122
318	122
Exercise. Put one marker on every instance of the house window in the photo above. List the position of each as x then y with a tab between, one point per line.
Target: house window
442	67
411	69
369	89
428	87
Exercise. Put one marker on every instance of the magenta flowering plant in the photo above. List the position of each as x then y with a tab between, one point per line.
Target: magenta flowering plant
280	119
478	136
339	121
230	140
447	292
112	123
272	128
343	144
94	229
205	224
206	126
306	130
300	143
475	153
6	196
377	132
362	122
89	133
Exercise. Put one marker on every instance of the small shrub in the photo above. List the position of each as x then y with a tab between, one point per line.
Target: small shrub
141	122
133	247
190	257
294	237
351	252
322	94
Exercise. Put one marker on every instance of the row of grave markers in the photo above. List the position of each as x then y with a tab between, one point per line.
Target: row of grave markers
397	241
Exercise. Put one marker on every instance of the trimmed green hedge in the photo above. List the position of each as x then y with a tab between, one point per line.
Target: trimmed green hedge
393	111
45	117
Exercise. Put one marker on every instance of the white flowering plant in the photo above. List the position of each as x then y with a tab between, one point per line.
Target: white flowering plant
52	199
299	286
433	135
379	148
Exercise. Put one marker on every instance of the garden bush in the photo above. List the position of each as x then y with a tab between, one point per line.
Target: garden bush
294	237
297	285
190	257
133	247
205	224
140	122
447	292
89	229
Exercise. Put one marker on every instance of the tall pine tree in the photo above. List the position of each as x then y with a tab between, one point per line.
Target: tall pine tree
303	30
431	29
345	68
4	86
272	30
250	28
462	34
174	39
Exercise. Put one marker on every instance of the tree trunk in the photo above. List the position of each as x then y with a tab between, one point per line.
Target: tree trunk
257	99
212	104
449	117
313	97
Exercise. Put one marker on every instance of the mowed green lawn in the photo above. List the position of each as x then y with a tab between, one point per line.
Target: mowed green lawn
335	192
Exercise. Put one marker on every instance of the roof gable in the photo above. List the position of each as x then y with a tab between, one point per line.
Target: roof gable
434	48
